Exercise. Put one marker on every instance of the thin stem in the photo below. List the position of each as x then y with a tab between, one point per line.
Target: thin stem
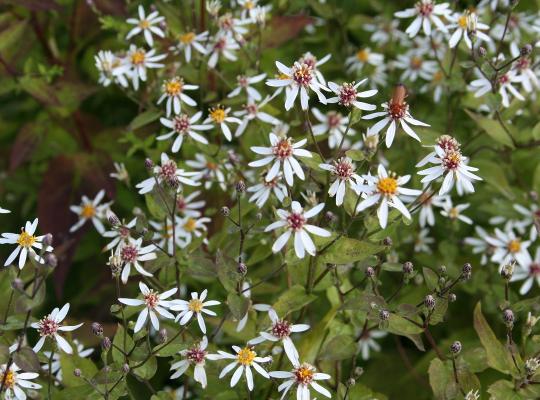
310	129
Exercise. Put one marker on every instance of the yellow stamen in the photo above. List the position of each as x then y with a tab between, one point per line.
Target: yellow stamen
88	211
26	240
246	356
144	24
218	114
138	57
190	225
187	37
195	305
8	379
514	246
387	186
362	55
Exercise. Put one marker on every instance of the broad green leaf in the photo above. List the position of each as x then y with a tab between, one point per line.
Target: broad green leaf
503	390
143	119
493	128
346	250
292	300
355	155
431	278
439	378
401	326
118	342
26	359
69	363
340	347
238	305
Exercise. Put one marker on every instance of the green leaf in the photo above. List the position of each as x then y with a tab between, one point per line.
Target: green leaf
492	128
143	119
27	360
493	174
431	277
4	354
355	155
11	35
118	342
227	272
439	378
292	300
401	326
313	161
340	347
238	305
69	363
346	250
536	131
503	390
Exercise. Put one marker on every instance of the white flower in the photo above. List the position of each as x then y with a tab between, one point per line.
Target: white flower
530	272
363	57
423	241
163	234
121	173
454	212
186	207
531	216
479	244
182	125
425	13
451	164
91	210
427	200
119	234
295	222
523	68
4	211
133	253
462	23
415	66
49	326
396	112
189	41
208	171
281	330
220	116
261	191
196	306
153	303
223	45
169	173
173	90
312	61
111	68
473	394
347	95
196	356
367	342
26	242
232	27
333	123
244	83
385	30
482	86
281	152
297	79
191	226
244	359
304	376
14	381
344	172
248	8
252	111
139	60
387	189
508	247
146	25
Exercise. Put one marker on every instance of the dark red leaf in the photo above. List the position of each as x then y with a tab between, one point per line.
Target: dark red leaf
283	28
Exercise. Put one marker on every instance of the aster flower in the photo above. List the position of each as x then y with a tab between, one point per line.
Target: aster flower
531	217
386	188
120	173
4	211
422	241
154	303
244	359
464	24
396	112
187	207
505	86
312	61
91	210
297	79
111	68
133	253
183	126
208	171
249	8
196	356
333	123
344	172
26	243
173	90
244	83
367	342
524	70
304	376
252	111
454	212
139	60
281	330
507	247
190	41
347	95
197	306
232	27
119	234
261	191
146	25
222	46
281	153
50	325
361	58
14	381
385	30
168	172
191	226
529	272
425	12
163	234
295	222
479	244
415	66
219	116
427	201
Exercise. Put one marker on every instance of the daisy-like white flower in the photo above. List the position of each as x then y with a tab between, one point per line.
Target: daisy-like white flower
14	381
196	356
464	24
304	376
111	68
189	41
295	222
333	123
219	116
505	82
252	111
531	217
121	173
183	125
197	306
427	201
425	12
169	173
454	212
91	210
244	83
451	164
480	245
119	234
173	90
132	253
139	60
261	191
163	235
312	61
344	172
436	85
422	241
50	325
26	243
415	66
281	330
232	27
347	95
4	211
222	46
244	359
154	303
386	188
385	30
523	68
529	273
361	58
507	247
281	153
187	207
367	342
396	112
189	227
208	171
248	8
148	25
298	79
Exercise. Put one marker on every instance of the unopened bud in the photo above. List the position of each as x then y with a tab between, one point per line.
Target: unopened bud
115	263
329	216
481	52
387	241
358	372
429	302
77	372
455	348
526	50
351	382
466	271
225	211
258	216
408	267
17	284
240	187
533	195
452	297
384	315
125	368
508	318
163	335
97	329
112	218
242	268
370	272
531	365
51	260
48	240
106	343
442	270
149	164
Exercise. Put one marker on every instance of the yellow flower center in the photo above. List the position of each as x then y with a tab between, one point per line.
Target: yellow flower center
8	379
248	5
453	213
246	356
144	24
195	305
137	58
462	22
211	165
416	63
173	87
283	76
187	38
88	211
304	373
437	76
218	114
190	225
362	55
514	246
26	240
387	186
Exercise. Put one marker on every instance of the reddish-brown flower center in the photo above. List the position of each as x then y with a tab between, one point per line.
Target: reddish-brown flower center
451	160
242	80
168	170
534	269
304	373
251	109
283	149
343	169
333	119
129	253
347	94
503	79
296	221
47	326
447	142
151	299
425	8
196	355
181	124
281	329
302	74
397	110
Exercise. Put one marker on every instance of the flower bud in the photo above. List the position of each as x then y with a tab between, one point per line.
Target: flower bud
408	267
442	270
125	368
77	372
106	343
163	335
455	348
508	318
481	51
387	241
466	271
384	315
531	365
330	216
17	284
429	302
351	382
526	50
225	211
149	164
370	272
48	240
97	329
358	372
242	268
240	187
452	297
507	271
112	218
51	260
